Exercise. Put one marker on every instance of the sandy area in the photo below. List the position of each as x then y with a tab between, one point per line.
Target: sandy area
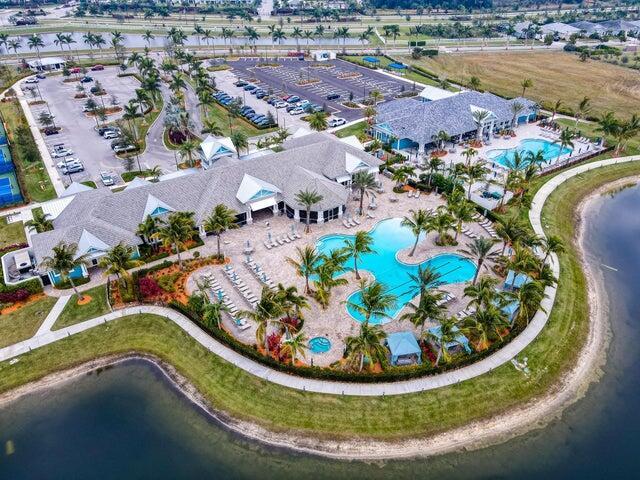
535	414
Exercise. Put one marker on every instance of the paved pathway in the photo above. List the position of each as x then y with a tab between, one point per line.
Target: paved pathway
495	360
53	315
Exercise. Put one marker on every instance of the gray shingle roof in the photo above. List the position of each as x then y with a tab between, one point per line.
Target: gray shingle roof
313	162
420	121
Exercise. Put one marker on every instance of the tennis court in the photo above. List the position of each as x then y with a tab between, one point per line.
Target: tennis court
9	189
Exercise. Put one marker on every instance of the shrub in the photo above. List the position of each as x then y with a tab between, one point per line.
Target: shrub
148	287
15	296
196	254
168	282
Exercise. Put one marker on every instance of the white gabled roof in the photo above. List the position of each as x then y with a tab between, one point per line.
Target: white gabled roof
434	93
251	186
137	182
301	132
75	187
89	242
353	163
212	146
152	204
475	109
353	141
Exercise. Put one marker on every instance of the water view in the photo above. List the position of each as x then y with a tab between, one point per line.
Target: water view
128	422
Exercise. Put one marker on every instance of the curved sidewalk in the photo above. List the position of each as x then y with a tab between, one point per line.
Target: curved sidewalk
486	365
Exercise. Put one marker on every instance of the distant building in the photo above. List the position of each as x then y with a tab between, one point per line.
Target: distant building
588	28
560	31
46	64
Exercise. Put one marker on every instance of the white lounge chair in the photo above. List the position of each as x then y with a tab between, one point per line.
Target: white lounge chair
345	223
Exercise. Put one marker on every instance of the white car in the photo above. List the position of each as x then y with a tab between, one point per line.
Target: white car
110	135
67	161
297	111
107	179
61	152
281	104
31	80
72	167
336	122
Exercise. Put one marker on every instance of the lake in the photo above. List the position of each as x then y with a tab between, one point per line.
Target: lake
129	422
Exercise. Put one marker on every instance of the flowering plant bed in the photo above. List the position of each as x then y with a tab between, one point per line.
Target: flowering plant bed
71	80
439	153
352	105
475	144
80	95
311	81
107	111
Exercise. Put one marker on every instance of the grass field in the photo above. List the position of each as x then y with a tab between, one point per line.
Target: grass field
74	313
23	323
384	62
11	233
356	129
228	125
246	397
555	75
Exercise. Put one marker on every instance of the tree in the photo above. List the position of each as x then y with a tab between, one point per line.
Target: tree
267	312
493	319
295	346
474	83
446	335
480	116
435	164
483	293
307	199
419	222
221	219
358	246
442	222
305	264
65	260
516	108
239	141
526	83
511	229
430	304
462	211
584	107
318	121
565	140
479	250
118	260
41	221
147	230
365	184
212	314
473	173
187	149
374	300
529	297
35	41
555	109
366	346
176	231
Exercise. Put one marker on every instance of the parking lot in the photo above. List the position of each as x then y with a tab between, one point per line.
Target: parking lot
316	80
78	129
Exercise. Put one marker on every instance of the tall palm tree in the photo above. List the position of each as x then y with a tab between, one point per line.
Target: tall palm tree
14	44
483	293
526	83
41	221
565	140
295	346
221	219
435	164
446	335
555	109
442	222
522	262
291	303
468	154
212	314
479	250
473	173
278	36
65	260
584	107
4	40
187	149
358	246
516	108
318	121
374	300
529	297
35	41
118	260
60	40
480	116
147	230
462	211
474	83
147	36
549	245
305	264
175	231
418	222
366	346
297	33
307	199
511	229
239	141
267	312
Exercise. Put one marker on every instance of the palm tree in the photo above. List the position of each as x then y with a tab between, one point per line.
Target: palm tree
211	126
221	219
374	300
212	314
147	36
176	231
358	246
366	346
549	245
462	211
4	40
526	83
278	36
307	199
480	116
522	262
442	222
147	229
35	41
493	319
41	221
473	173
64	261
435	163
292	303
297	33
516	108
468	154
60	40
511	229
419	222
318	121
328	272
187	149
305	265
446	335
267	312
584	107
482	294
295	346
555	109
566	140
479	250
118	260
529	297
239	141
14	44
474	83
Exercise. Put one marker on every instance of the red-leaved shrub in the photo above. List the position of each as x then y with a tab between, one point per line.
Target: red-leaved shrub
273	341
149	288
15	296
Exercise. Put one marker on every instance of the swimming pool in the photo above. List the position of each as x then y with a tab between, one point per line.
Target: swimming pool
549	151
389	236
319	345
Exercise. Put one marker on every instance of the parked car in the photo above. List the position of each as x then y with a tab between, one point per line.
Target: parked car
293	99
107	179
67	161
97	67
280	104
303	103
240	83
50	131
72	168
94	89
261	95
297	111
314	107
123	148
75	70
336	122
31	80
107	128
41	76
59	151
249	87
333	96
110	135
86	79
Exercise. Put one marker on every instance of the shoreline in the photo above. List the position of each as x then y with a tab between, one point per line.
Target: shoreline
536	414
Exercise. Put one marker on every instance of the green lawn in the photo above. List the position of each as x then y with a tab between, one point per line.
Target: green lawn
244	396
23	323
356	129
234	124
33	176
11	233
411	75
74	313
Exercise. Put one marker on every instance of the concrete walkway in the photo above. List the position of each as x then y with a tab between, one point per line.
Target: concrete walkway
53	315
343	388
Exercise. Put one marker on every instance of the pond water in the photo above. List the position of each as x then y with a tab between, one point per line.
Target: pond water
128	422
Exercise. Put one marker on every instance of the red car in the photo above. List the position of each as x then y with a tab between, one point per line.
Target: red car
75	70
95	68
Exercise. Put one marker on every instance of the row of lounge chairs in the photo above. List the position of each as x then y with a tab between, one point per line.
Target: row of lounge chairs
467	312
469	233
281	240
414	194
487	225
240	286
220	295
448	297
350	222
259	273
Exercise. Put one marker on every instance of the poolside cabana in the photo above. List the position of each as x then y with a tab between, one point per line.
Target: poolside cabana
397	67
371	60
515	281
404	348
511	310
461	340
